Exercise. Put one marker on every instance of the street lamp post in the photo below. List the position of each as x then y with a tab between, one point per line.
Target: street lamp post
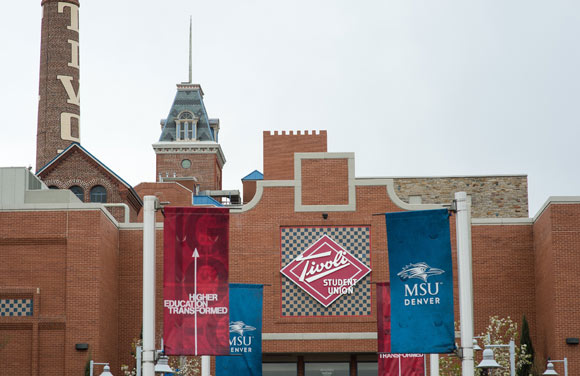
162	365
106	369
465	279
512	348
150	204
488	362
550	368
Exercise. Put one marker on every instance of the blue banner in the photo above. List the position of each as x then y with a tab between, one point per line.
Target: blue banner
245	333
421	276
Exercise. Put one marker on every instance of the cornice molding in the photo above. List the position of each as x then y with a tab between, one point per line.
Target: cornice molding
199	147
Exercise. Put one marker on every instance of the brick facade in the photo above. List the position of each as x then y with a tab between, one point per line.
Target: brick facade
172	193
325	181
67	262
76	168
82	270
249	189
205	167
279	151
78	258
556	243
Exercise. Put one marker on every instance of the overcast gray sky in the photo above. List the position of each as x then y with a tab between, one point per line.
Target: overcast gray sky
414	88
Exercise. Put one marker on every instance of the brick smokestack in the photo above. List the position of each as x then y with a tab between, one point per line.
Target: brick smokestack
59	104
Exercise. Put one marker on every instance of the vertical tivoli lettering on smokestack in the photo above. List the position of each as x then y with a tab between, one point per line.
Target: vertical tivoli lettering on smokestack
58	101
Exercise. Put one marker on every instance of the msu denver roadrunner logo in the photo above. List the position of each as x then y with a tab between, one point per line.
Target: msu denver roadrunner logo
419	270
241	343
326	271
425	293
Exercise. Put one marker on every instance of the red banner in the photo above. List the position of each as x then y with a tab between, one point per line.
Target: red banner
393	364
195	281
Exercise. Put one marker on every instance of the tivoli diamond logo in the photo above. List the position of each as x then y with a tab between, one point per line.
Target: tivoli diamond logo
326	271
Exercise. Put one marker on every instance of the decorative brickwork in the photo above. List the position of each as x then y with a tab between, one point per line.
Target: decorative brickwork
76	168
279	151
16	307
325	181
491	196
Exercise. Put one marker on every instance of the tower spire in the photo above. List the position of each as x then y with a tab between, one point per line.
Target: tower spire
190	48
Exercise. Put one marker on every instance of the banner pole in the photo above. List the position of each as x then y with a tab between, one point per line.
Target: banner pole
464	266
434	364
205	365
148	355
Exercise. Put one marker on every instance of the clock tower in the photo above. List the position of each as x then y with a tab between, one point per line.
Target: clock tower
188	150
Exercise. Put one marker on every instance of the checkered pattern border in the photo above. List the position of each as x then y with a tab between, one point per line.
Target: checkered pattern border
15	307
295	301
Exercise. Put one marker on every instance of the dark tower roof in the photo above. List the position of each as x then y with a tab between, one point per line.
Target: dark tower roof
189	98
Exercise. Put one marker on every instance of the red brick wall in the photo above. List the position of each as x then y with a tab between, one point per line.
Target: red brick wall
131	292
67	261
51	344
325	181
16	352
503	266
557	242
108	290
544	281
204	167
249	190
172	192
279	151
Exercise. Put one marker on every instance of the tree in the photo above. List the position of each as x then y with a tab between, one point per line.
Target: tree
88	365
526	341
499	331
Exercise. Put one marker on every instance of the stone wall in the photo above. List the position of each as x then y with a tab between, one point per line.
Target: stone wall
491	196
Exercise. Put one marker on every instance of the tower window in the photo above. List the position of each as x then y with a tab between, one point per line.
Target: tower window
78	191
186	126
98	194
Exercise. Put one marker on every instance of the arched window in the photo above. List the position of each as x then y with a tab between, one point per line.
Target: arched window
186	126
78	191
98	194
53	187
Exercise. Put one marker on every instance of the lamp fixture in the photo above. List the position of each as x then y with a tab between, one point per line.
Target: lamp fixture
106	368
488	361
550	370
162	365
